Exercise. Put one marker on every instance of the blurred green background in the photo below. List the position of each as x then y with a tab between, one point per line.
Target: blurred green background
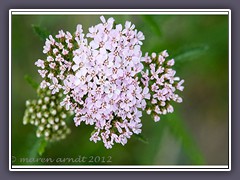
196	133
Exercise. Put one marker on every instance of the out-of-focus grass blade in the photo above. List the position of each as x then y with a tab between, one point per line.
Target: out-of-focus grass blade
178	129
31	82
140	137
38	147
190	53
149	20
42	146
41	32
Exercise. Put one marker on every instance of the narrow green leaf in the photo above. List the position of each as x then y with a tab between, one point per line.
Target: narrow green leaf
41	32
32	145
150	21
42	146
31	82
178	129
36	146
190	53
140	137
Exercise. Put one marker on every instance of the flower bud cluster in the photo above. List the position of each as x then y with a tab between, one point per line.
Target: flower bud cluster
161	80
48	116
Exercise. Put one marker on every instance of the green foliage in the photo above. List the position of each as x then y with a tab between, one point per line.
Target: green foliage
38	147
42	146
190	52
181	133
141	138
150	21
41	32
31	82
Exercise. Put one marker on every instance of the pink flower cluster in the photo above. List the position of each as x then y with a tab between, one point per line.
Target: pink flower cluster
161	80
98	73
104	87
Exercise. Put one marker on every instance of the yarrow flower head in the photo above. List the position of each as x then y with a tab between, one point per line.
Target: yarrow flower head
102	78
103	84
161	80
